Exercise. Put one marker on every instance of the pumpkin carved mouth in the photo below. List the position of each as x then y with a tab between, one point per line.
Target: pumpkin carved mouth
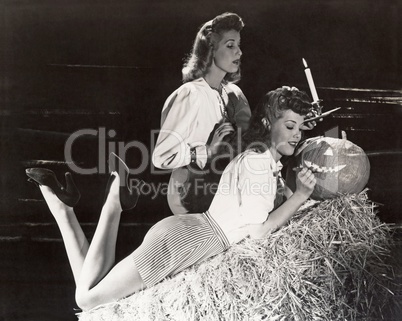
322	169
339	166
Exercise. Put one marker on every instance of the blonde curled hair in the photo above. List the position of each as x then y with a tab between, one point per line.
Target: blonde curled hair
201	56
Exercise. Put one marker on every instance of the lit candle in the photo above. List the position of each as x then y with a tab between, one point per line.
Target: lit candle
310	81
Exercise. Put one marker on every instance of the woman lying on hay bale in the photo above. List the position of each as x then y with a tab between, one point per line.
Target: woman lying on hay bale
325	264
243	206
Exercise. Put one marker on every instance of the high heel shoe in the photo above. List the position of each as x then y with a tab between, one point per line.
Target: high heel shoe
42	176
127	194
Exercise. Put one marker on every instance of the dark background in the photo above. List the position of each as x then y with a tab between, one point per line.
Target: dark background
71	65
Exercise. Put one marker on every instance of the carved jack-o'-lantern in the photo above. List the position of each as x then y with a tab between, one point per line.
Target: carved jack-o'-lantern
340	166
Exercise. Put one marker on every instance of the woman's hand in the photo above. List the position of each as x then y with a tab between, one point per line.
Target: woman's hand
305	182
223	130
309	125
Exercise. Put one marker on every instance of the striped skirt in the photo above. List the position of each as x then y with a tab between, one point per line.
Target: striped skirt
177	242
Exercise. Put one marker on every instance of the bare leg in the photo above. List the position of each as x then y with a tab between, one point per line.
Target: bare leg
101	254
122	280
75	242
98	283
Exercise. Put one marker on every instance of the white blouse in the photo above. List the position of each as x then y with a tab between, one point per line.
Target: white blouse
189	116
246	193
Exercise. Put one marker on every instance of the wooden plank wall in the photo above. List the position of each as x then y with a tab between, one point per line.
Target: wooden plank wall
109	65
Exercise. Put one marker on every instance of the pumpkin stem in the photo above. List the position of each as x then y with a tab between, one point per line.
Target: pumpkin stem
343	134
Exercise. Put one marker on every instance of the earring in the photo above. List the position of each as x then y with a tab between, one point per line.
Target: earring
266	123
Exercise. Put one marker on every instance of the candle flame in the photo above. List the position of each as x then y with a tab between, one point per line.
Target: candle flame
305	63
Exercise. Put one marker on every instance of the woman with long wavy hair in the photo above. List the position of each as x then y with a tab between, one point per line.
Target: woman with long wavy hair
201	113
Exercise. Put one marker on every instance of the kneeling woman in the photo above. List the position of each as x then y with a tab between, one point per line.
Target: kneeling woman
243	206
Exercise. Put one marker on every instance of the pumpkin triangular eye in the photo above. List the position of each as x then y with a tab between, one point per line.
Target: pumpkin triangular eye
329	152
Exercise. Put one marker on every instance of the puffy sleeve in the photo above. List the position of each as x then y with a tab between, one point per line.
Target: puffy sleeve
257	188
239	108
179	114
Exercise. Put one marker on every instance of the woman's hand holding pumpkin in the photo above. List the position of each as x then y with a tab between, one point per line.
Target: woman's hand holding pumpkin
305	182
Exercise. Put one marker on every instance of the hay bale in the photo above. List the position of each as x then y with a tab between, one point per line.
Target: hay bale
326	264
